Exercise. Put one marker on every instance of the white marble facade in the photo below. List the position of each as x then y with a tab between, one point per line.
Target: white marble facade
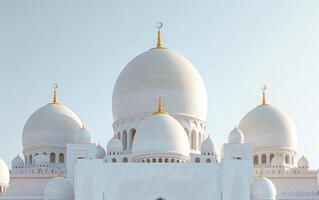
160	149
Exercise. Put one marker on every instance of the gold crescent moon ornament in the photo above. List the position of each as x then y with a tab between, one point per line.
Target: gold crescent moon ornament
159	25
55	86
263	88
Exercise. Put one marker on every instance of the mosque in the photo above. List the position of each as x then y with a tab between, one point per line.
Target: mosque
160	149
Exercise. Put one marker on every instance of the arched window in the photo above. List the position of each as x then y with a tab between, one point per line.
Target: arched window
125	159
194	140
124	140
52	157
160	198
132	133
160	160
287	159
256	160
119	135
61	158
113	160
148	160
271	157
263	158
209	160
166	160
172	160
197	160
154	160
30	159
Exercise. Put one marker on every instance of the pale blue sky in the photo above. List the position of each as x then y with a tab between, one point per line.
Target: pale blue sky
83	45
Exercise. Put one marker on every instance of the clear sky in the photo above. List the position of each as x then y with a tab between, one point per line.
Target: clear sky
83	45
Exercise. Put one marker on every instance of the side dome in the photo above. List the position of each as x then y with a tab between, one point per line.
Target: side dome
4	174
267	128
100	152
114	146
160	136
53	125
159	72
236	136
82	136
303	163
262	188
58	188
208	146
17	162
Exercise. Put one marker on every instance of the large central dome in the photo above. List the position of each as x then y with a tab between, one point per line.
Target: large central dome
159	72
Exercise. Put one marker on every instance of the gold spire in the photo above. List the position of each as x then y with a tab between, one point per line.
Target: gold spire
55	87
261	173
264	88
159	25
160	108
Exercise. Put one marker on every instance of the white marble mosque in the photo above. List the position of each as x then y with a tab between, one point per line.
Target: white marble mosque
160	149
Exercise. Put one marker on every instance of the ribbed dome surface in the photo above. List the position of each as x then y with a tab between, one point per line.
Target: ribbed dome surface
4	174
208	146
235	136
159	72
114	145
53	125
58	188
17	162
303	163
267	128
263	189
160	134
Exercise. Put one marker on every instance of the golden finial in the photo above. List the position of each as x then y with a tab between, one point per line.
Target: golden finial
159	25
160	108
264	88
261	173
55	87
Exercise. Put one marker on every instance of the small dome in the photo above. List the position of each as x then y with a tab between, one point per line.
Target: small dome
17	162
262	188
58	188
303	163
161	135
100	152
159	72
208	146
53	125
268	129
4	174
41	159
278	161
82	136
235	136
114	146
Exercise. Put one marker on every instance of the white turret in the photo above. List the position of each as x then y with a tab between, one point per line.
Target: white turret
114	147
303	163
236	137
208	147
17	162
